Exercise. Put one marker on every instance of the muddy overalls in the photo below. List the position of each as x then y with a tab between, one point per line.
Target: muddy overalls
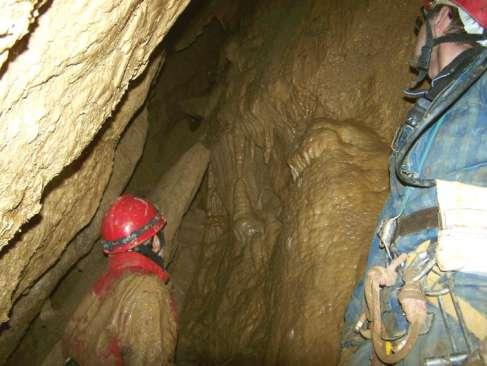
453	149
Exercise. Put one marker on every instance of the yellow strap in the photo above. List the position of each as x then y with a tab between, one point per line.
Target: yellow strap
388	347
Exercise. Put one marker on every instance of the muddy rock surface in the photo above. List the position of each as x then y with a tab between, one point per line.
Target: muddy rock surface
60	89
340	170
298	172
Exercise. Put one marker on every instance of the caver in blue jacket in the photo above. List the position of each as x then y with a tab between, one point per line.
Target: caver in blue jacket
453	149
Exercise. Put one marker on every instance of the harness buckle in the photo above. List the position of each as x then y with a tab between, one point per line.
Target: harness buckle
387	233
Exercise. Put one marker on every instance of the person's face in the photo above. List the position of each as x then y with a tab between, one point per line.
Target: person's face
157	247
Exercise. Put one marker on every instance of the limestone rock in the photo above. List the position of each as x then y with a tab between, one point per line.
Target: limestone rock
15	20
185	260
177	188
316	86
57	93
201	16
326	233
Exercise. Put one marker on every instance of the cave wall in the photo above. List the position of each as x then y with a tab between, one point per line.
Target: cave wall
299	137
16	18
73	76
173	129
62	84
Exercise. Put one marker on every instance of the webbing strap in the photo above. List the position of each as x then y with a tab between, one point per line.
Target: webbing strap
417	221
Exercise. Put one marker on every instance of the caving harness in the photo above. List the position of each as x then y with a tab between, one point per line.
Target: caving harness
425	115
426	276
422	283
416	279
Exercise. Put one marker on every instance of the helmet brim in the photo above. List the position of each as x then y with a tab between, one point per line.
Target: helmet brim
136	238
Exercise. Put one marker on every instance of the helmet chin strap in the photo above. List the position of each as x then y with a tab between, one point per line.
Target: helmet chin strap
424	61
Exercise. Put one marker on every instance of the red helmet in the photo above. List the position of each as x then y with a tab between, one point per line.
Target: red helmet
477	9
129	222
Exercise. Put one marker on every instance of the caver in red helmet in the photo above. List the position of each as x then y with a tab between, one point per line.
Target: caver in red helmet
477	9
129	222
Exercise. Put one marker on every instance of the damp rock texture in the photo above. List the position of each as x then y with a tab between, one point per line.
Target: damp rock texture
72	81
299	137
75	68
15	20
177	188
340	177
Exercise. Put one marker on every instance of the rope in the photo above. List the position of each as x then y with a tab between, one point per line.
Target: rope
410	297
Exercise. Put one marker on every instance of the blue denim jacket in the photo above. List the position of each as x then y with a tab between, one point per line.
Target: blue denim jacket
454	149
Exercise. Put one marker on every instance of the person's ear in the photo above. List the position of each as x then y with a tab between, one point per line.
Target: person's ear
441	22
156	244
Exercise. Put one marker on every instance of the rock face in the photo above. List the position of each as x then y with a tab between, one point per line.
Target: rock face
298	171
15	20
340	177
63	88
177	188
